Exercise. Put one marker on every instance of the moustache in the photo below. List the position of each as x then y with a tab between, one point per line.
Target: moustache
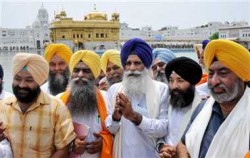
133	73
81	81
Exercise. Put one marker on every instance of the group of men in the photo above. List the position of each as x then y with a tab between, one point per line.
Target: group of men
137	116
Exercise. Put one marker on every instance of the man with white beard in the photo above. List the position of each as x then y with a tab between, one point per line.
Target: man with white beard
139	105
57	55
87	105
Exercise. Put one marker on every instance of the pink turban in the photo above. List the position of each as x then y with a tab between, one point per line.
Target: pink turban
35	64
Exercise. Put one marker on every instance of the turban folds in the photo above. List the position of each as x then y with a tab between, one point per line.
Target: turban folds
91	59
1	72
231	54
112	56
61	50
163	54
35	64
140	48
185	67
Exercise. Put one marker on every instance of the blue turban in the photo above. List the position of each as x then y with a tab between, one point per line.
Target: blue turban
138	47
1	72
204	43
163	54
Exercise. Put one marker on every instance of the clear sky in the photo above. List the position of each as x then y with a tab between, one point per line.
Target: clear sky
137	13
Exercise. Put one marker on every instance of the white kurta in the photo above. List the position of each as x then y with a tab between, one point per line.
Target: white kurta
45	88
5	95
94	124
139	141
178	120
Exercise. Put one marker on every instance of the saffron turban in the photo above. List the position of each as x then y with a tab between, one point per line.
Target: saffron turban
35	64
163	54
112	56
185	67
61	50
138	47
1	72
91	59
231	54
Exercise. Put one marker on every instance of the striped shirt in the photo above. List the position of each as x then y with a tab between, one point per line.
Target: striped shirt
44	128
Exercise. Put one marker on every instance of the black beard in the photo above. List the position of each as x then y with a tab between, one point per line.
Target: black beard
56	85
182	99
83	101
161	77
1	87
28	97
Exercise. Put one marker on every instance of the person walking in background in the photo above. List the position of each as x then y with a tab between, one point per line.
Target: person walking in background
3	94
182	74
161	57
87	105
37	124
57	56
220	127
111	65
139	104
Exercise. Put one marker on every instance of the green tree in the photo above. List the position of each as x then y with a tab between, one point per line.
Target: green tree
214	36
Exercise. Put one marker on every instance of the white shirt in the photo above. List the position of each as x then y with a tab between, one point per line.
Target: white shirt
5	95
178	120
139	141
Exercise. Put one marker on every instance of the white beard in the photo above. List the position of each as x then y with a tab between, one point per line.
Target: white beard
135	82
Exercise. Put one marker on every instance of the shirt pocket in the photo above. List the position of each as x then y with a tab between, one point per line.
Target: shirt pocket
41	139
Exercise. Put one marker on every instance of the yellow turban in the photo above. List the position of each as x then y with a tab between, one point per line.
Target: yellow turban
91	59
233	55
112	56
61	50
35	64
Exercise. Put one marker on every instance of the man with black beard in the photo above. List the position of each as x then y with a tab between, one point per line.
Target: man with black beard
139	104
87	105
161	58
3	94
57	56
182	74
37	124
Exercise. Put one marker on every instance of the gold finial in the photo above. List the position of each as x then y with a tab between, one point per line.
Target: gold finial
94	7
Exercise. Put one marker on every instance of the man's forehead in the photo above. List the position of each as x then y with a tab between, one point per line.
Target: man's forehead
57	58
81	64
133	58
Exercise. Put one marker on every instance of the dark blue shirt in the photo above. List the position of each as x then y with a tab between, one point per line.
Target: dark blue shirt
214	123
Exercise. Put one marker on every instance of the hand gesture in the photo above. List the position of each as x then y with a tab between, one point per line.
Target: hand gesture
95	146
80	145
167	151
2	129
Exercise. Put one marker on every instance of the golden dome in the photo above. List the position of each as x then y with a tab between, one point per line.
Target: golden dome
95	15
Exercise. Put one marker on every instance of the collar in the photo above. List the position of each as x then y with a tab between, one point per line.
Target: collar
43	99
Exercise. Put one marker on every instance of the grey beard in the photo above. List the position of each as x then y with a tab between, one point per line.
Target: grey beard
83	101
58	84
161	77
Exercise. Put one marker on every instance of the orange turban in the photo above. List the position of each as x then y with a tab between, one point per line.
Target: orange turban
112	56
231	54
61	50
91	59
35	64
